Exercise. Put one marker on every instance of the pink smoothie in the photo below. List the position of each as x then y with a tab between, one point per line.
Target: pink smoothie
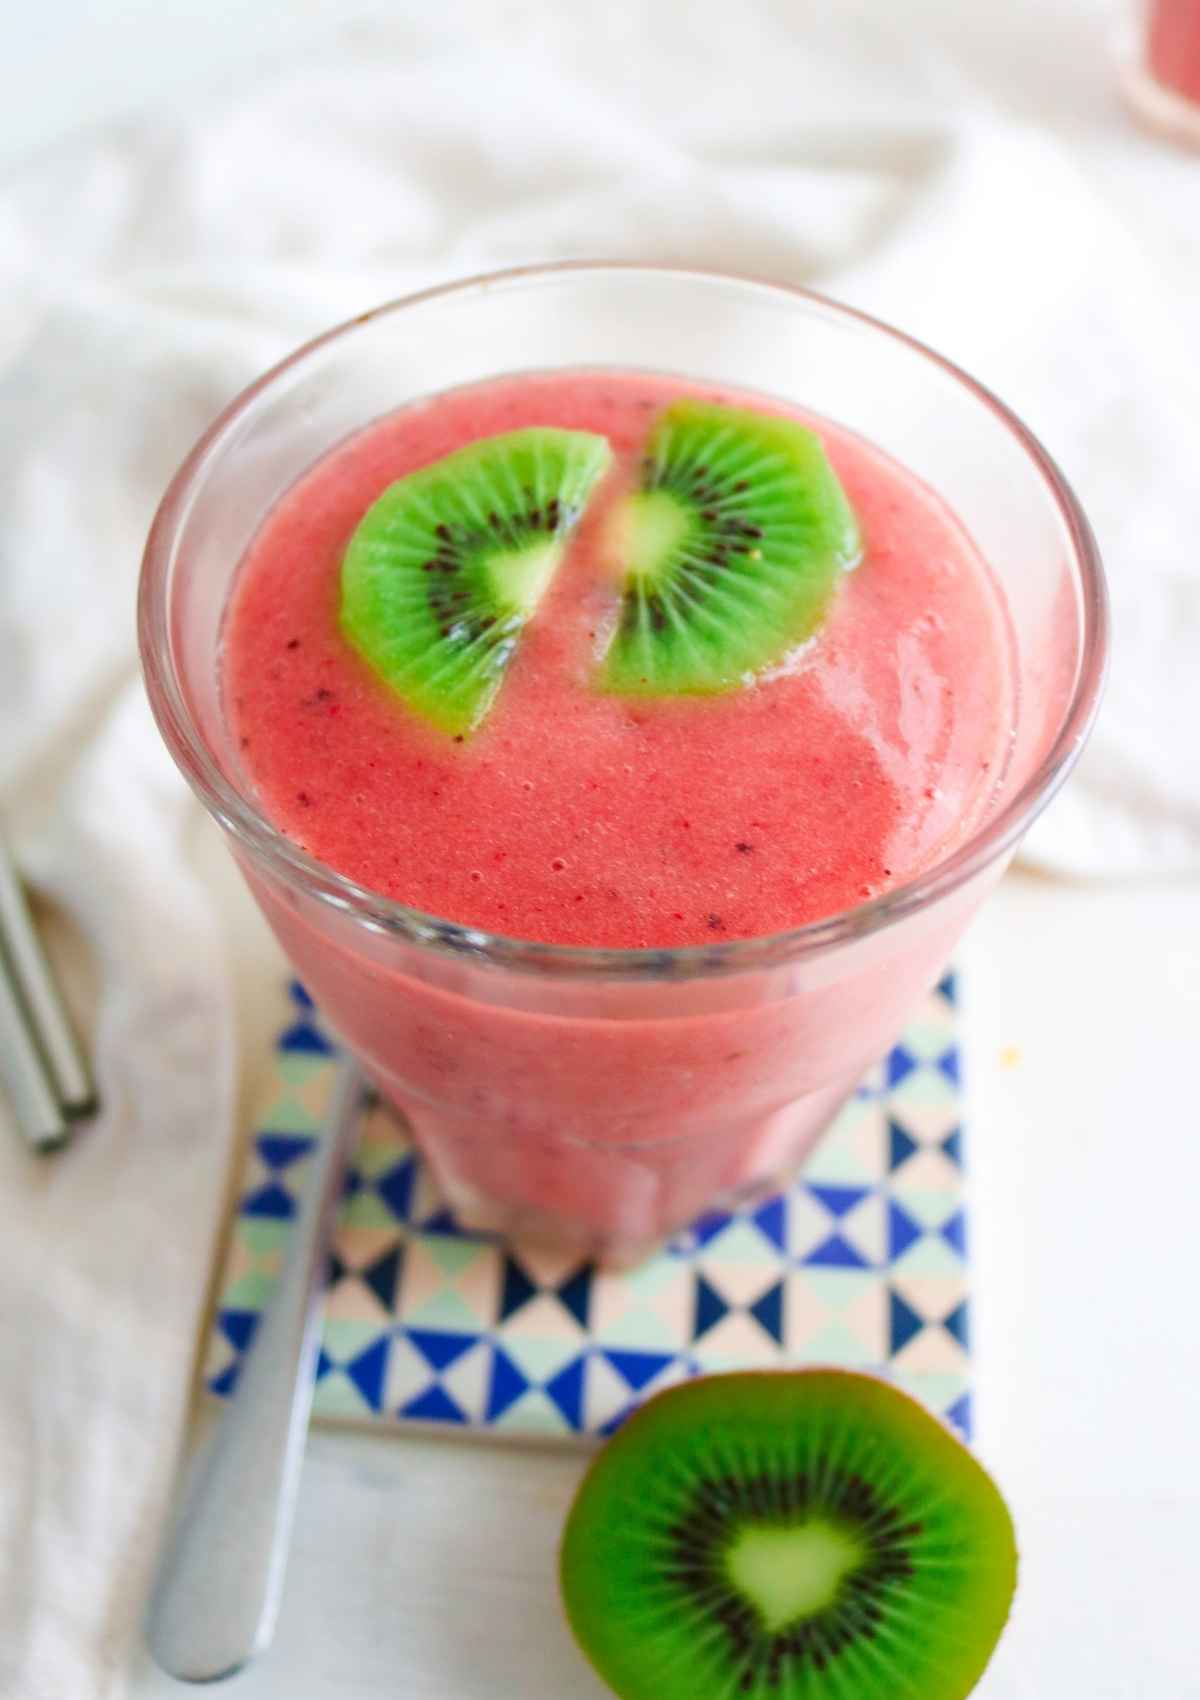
1173	46
609	1111
575	817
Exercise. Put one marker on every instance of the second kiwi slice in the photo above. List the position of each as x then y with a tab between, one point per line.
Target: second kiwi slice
731	547
806	1535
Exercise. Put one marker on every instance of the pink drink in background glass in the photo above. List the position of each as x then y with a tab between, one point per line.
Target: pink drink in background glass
621	961
1161	77
1173	46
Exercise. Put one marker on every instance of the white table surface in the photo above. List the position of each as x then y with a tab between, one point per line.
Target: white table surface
426	1569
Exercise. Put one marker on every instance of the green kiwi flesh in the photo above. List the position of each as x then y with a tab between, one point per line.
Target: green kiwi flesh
731	547
448	564
799	1535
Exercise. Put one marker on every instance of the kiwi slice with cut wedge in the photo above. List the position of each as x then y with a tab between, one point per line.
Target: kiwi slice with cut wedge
732	547
448	564
787	1535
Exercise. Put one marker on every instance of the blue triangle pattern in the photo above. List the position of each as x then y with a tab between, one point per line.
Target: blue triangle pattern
434	1405
576	1295
952	1146
324	1364
566	1390
277	1150
440	1349
838	1200
836	1253
442	1222
353	1182
901	1146
238	1327
957	1325
270	1200
767	1311
223	1385
771	1220
961	1416
900	1064
608	1429
396	1188
638	1368
517	1289
948	987
307	1038
368	1370
708	1308
948	1063
706	1228
954	1232
902	1231
903	1322
506	1386
383	1277
299	996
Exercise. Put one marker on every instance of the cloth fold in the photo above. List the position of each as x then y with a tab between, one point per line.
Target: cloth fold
147	272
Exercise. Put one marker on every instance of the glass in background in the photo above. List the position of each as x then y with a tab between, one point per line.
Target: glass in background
1160	57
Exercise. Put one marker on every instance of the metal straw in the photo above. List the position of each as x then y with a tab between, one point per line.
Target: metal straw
35	1103
32	987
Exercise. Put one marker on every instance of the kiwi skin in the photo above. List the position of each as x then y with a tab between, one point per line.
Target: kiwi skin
922	1628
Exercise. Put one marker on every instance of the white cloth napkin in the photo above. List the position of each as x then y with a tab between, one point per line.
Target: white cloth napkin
147	272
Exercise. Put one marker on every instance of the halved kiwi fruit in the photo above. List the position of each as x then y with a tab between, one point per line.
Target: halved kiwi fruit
448	564
796	1535
731	548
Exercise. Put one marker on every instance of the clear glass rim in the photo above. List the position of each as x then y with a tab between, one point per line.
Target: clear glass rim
238	815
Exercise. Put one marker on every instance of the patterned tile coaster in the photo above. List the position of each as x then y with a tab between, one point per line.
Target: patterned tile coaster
860	1262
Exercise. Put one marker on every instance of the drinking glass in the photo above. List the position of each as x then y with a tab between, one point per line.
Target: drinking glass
1159	51
604	1098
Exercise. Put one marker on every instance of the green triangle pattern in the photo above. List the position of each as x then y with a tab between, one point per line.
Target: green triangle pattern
533	1413
338	1398
929	1255
296	1069
537	1357
263	1234
343	1338
447	1310
837	1161
375	1157
288	1115
251	1292
939	1389
452	1255
740	1243
837	1344
640	1329
365	1209
839	1288
930	1208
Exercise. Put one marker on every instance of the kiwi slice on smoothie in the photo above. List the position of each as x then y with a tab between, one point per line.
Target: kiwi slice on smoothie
796	1535
731	546
446	567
